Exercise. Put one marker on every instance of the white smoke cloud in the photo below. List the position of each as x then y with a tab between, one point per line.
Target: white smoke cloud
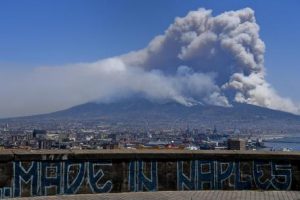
227	45
199	59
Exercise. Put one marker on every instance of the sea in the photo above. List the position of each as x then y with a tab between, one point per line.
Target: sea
292	143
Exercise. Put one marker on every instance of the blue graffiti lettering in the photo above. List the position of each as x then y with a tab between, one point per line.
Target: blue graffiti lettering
206	176
223	175
51	177
138	180
272	181
26	176
242	181
184	181
94	178
77	171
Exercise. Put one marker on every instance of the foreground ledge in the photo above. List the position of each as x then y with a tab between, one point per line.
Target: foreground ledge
81	172
182	195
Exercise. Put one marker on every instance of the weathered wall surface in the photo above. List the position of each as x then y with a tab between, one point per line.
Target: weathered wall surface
24	173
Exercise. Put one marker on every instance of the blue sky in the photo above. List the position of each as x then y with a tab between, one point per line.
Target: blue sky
57	32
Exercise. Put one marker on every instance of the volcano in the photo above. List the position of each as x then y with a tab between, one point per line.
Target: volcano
138	111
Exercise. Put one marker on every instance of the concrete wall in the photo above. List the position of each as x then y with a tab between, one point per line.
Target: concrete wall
34	173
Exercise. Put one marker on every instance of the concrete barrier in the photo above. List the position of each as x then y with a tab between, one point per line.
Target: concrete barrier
42	173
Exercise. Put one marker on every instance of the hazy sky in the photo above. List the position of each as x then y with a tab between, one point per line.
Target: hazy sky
58	32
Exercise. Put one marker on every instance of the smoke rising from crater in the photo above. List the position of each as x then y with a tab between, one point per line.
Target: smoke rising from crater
200	58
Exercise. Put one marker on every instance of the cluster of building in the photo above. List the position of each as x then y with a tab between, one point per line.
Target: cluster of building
104	137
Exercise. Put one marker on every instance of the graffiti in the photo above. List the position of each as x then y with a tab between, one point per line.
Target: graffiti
73	179
95	178
184	181
138	181
279	179
5	192
214	174
59	177
42	178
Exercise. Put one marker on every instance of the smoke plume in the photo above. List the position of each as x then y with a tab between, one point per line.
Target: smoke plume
200	59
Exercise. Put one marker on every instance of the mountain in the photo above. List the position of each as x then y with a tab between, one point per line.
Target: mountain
135	112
